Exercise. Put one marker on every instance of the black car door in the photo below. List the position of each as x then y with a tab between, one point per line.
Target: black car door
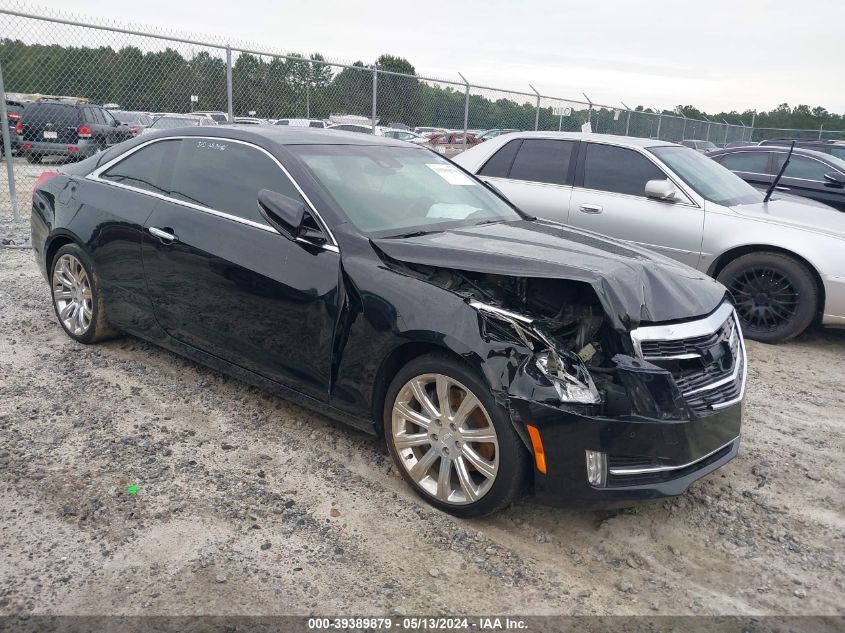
223	281
804	176
117	201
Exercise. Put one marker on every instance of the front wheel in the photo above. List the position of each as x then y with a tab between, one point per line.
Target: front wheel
451	441
775	296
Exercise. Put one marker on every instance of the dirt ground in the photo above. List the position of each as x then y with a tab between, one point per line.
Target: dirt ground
247	504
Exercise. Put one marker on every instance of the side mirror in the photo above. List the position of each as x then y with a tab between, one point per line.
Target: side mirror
661	190
283	213
835	179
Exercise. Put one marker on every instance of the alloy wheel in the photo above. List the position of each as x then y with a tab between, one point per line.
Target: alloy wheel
72	295
445	439
764	298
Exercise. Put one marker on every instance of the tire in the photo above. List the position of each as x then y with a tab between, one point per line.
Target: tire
33	158
74	283
776	296
467	489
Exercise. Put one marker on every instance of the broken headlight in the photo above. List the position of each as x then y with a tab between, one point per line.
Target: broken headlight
571	379
567	373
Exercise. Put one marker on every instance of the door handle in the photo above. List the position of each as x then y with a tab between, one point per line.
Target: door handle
782	188
164	236
590	208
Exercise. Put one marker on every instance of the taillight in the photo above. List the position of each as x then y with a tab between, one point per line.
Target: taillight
13	116
45	177
84	131
19	128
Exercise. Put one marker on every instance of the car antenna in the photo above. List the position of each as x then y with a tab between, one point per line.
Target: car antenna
780	173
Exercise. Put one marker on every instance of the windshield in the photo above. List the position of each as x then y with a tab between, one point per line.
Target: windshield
390	191
170	122
707	177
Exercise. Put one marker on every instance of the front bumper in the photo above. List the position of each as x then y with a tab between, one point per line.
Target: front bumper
654	458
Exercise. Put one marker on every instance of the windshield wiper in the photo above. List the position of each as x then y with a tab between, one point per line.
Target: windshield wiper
780	174
412	234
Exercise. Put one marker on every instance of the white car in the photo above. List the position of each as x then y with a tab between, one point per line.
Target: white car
301	123
351	127
782	260
423	131
170	121
249	120
401	135
219	117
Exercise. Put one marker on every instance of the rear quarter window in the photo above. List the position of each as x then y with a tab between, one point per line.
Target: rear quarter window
146	168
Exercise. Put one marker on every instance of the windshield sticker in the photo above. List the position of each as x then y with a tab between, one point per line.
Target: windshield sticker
450	174
220	147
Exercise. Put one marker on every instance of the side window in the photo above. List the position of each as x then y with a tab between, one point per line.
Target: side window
145	169
226	176
543	160
618	169
802	167
750	162
499	164
98	117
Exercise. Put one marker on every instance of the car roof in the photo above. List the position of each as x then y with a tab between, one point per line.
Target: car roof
802	151
285	135
584	136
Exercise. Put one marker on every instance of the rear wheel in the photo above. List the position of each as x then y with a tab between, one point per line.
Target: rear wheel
77	299
775	295
451	441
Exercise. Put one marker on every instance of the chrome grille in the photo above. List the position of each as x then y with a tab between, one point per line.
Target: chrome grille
706	358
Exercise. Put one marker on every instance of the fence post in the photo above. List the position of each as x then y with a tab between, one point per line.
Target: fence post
466	109
537	113
753	118
659	123
7	147
375	95
229	107
821	127
628	121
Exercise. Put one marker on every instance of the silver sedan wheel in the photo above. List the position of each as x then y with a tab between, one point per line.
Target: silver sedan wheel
445	439
72	295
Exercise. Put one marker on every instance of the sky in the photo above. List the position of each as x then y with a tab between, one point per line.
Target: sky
719	55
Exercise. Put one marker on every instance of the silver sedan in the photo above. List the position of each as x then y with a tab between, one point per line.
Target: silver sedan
783	261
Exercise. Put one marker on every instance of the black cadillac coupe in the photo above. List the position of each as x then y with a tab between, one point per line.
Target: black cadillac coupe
378	283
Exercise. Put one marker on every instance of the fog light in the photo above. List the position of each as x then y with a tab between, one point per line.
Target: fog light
597	468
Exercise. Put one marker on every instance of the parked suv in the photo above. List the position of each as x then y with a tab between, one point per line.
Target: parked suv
810	174
781	260
57	128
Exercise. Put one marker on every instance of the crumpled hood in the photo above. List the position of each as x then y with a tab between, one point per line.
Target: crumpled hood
634	285
800	214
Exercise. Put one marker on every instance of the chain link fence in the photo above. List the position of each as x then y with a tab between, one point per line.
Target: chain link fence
131	69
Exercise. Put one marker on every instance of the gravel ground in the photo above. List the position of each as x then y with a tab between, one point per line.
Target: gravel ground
247	504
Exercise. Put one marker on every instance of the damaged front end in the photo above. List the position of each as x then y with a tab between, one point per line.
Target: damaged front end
616	415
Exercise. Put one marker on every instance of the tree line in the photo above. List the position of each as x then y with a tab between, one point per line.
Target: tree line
276	87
